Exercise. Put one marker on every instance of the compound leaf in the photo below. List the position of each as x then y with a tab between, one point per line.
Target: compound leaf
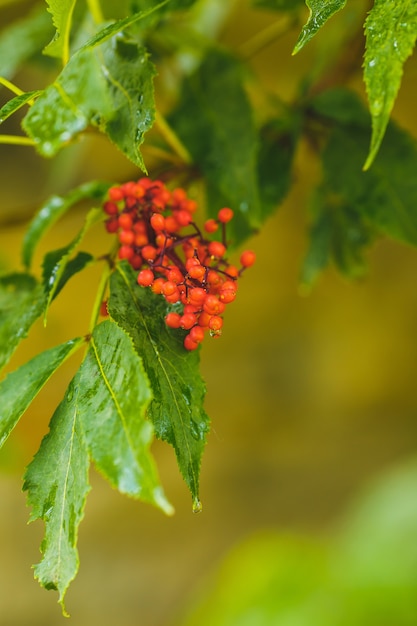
16	103
61	11
53	209
22	300
56	265
222	139
320	12
177	409
57	485
116	394
391	31
20	387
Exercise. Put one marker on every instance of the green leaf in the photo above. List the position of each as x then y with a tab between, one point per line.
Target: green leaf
278	141
61	11
278	5
22	300
55	266
23	39
222	139
178	391
57	485
20	387
16	103
53	209
355	206
108	86
320	12
75	265
391	31
115	394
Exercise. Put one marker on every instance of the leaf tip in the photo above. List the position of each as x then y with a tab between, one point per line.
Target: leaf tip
197	505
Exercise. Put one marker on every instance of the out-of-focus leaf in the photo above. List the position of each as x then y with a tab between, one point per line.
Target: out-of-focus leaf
53	209
20	387
75	265
16	103
57	485
355	206
56	262
61	11
177	409
22	300
278	141
116	393
391	32
320	12
23	39
222	139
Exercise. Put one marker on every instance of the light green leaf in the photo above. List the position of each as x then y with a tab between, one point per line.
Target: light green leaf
57	485
16	103
56	262
20	387
116	394
23	39
391	31
61	11
222	139
108	86
22	300
53	209
320	12
178	391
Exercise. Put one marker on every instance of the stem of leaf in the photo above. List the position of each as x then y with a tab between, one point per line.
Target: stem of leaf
99	296
16	140
172	139
6	83
95	10
266	36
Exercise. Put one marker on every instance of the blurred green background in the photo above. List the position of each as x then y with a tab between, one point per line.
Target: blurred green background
309	479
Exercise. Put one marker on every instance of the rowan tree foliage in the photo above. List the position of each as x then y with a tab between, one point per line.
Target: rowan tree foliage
166	278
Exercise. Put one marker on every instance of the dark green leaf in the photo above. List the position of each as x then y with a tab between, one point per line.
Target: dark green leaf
278	141
108	86
21	386
355	206
61	11
171	5
178	392
320	12
22	301
23	40
75	265
56	262
53	209
391	31
57	485
115	394
222	139
278	5
16	103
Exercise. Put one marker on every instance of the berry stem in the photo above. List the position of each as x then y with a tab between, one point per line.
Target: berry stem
95	10
16	140
11	86
172	138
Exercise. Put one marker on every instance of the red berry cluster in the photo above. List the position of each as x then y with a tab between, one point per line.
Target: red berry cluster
159	238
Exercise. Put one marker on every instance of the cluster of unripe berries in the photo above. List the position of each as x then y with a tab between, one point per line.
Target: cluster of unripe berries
173	257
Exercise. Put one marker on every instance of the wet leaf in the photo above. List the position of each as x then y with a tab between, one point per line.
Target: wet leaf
176	410
20	387
320	12
115	395
391	31
16	103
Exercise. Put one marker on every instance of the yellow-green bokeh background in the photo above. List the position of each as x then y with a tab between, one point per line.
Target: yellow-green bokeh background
310	395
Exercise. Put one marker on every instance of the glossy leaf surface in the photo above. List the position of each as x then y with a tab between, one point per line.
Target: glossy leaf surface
115	395
57	485
20	387
391	32
320	12
178	391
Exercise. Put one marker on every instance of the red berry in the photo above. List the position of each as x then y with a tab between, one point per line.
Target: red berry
247	258
212	305
215	323
158	222
225	215
169	288
116	194
189	344
216	248
173	320
125	221
110	208
228	291
126	252
126	237
197	272
149	253
188	320
183	217
197	333
112	225
175	275
196	295
211	226
158	284
146	278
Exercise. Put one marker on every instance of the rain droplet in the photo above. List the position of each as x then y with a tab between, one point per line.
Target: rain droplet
197	506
